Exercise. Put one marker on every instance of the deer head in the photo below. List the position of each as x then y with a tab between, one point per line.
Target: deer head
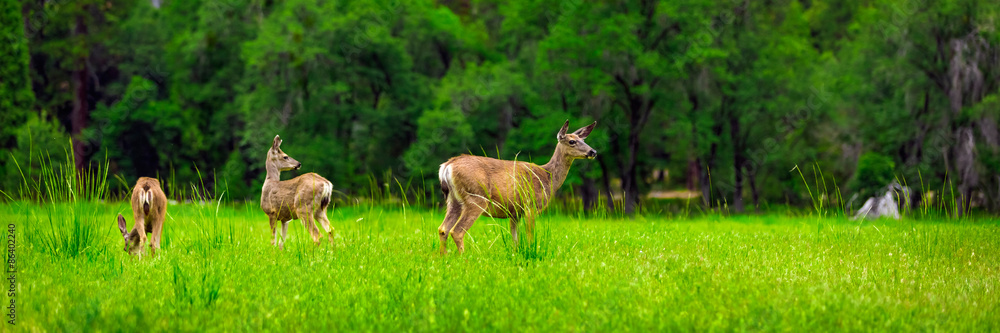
278	158
131	238
572	143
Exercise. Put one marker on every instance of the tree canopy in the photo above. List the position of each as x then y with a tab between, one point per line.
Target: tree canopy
717	98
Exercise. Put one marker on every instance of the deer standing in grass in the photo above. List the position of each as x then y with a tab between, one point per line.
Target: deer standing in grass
149	207
304	197
474	185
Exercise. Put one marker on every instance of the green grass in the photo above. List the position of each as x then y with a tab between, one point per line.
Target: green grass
219	272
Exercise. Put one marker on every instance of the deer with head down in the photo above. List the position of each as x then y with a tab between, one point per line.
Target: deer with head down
518	191
149	207
304	197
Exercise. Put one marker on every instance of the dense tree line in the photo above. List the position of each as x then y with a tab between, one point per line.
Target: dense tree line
728	96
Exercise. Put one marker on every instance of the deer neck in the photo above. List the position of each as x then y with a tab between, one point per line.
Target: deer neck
273	173
558	167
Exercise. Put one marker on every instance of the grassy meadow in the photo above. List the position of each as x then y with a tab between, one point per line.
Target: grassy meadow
218	272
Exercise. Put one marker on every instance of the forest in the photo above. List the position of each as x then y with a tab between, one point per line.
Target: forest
744	105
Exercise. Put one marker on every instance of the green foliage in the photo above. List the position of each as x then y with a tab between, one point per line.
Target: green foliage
875	171
232	173
442	132
376	91
42	147
16	97
144	135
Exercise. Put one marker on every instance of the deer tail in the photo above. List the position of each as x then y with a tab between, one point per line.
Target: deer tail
144	198
445	176
327	191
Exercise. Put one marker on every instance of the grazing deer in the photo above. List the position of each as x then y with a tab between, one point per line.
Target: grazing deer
474	185
149	207
304	197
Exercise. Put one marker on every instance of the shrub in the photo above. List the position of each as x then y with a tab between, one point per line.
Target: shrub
874	172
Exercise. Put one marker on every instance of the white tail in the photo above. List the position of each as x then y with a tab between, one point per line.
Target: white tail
144	199
447	182
474	185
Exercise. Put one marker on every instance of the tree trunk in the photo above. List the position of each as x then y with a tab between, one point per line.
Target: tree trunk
915	148
693	173
752	177
629	177
605	177
738	160
588	193
694	167
639	110
80	111
963	86
965	166
706	177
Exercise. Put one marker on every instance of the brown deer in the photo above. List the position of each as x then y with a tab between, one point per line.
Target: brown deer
149	207
304	197
474	185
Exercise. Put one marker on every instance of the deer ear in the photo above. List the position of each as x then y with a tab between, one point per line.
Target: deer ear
121	224
277	142
562	131
585	131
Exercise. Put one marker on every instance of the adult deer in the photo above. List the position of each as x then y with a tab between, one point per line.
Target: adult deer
149	207
304	197
474	185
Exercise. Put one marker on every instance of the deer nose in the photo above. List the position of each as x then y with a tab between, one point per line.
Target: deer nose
592	153
297	166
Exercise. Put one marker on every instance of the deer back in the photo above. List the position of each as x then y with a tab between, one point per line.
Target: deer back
284	197
508	185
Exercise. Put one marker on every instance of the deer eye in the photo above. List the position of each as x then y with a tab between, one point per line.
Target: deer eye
285	157
572	142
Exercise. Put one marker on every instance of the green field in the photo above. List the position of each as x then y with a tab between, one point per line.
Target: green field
219	272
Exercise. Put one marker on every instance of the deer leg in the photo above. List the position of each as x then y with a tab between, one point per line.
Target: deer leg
274	230
325	222
451	215
513	229
471	211
140	227
284	233
309	221
463	225
157	231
